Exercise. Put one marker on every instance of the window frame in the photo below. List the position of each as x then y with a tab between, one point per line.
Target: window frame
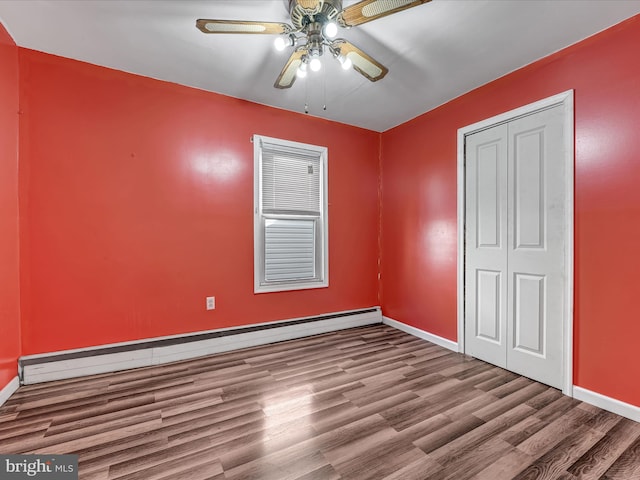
321	226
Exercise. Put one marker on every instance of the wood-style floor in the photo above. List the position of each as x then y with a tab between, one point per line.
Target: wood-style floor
363	403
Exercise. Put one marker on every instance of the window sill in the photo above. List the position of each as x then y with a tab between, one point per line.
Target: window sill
286	287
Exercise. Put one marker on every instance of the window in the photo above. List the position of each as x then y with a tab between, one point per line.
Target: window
290	208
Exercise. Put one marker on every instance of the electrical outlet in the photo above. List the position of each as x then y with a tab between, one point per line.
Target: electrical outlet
211	303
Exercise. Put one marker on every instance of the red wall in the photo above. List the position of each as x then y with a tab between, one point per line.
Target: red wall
419	203
137	203
9	274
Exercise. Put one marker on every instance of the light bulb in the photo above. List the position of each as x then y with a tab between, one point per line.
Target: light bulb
330	30
280	43
346	63
315	64
302	70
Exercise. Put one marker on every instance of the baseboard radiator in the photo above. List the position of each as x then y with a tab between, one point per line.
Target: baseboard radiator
156	351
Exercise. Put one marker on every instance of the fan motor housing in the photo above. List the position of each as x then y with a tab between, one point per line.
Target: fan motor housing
304	12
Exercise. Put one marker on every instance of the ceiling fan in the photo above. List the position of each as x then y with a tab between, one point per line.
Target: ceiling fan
314	26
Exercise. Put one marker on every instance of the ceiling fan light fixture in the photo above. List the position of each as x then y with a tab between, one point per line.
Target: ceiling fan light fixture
283	42
301	72
345	62
280	43
315	64
330	30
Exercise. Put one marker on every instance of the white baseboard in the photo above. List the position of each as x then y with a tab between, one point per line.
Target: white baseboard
9	389
416	332
35	371
607	403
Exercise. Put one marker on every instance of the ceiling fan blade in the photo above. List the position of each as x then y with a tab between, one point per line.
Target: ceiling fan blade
288	74
362	63
240	26
368	10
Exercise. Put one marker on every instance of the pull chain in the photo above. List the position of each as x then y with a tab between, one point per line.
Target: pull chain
306	94
324	91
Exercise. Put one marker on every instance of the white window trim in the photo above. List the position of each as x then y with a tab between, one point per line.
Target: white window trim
258	243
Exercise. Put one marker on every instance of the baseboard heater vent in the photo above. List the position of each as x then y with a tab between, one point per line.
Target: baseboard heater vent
156	351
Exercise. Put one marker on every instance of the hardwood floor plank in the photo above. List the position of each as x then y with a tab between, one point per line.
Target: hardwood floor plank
465	369
106	451
408	413
436	362
565	476
172	468
209	425
115	408
7	415
510	387
94	382
36	427
539	443
85	425
469	462
125	454
508	402
373	392
164	456
376	460
270	441
510	464
326	472
464	408
69	446
440	402
494	382
448	433
17	442
289	463
107	430
215	413
603	421
425	427
522	430
419	469
555	462
102	474
364	403
460	446
544	398
557	409
627	466
329	420
284	370
46	411
597	460
204	471
344	443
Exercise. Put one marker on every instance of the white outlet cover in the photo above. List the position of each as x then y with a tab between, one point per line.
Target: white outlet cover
211	303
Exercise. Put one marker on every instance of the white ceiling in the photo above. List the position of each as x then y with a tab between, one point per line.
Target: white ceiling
435	52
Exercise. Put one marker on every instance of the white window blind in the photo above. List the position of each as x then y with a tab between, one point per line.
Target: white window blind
290	181
290	250
290	225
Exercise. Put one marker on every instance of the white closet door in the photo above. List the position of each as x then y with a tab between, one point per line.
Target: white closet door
514	246
486	246
537	222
